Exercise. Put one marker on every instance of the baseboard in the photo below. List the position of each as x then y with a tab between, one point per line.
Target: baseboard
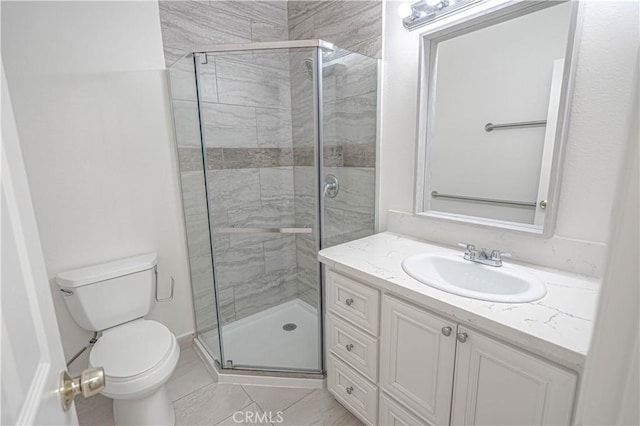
185	340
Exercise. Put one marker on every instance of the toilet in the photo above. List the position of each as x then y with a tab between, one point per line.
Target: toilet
138	355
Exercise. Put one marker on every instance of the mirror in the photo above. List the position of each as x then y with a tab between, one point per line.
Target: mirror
494	93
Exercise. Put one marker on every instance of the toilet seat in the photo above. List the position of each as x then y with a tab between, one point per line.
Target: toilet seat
137	358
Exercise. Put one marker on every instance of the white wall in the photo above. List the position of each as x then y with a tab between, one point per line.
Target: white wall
88	86
609	392
599	121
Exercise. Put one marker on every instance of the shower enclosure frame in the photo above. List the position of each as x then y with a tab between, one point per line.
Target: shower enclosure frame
319	45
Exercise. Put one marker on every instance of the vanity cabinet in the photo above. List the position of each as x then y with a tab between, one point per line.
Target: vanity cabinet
409	366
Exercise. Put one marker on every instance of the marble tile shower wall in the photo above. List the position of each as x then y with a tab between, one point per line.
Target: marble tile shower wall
196	23
354	25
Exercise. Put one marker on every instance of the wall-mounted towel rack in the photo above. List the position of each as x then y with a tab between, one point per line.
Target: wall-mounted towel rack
490	126
436	194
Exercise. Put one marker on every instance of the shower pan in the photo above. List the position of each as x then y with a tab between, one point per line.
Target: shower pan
276	150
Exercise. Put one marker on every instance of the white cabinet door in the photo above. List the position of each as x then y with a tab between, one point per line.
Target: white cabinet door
497	384
417	358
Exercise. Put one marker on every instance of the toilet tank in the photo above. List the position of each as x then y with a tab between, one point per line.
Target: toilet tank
105	295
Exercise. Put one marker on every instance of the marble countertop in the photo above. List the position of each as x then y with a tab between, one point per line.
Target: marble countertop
557	327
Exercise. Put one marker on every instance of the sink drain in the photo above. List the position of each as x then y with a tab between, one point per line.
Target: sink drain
289	326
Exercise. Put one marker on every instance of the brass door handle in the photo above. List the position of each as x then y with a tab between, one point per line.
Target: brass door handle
91	382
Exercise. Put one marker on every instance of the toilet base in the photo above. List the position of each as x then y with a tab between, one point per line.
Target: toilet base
154	409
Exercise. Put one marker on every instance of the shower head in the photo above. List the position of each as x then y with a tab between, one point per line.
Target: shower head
307	68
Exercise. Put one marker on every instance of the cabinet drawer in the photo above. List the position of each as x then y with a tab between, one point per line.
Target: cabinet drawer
353	346
392	413
354	301
352	390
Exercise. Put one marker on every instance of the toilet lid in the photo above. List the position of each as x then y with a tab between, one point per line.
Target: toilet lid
131	349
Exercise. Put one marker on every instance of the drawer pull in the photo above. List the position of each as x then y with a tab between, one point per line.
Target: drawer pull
349	301
446	331
349	390
462	337
349	347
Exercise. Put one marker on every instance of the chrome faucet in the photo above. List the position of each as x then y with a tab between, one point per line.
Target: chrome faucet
482	256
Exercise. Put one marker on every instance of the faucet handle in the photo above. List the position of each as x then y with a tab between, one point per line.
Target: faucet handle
470	252
469	247
498	255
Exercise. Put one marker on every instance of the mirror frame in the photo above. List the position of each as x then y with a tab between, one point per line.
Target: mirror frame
473	19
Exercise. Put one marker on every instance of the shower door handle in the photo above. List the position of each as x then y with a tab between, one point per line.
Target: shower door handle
234	230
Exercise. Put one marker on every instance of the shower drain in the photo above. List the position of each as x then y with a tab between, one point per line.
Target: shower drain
289	326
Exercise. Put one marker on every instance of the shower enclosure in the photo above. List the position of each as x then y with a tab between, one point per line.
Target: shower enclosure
276	148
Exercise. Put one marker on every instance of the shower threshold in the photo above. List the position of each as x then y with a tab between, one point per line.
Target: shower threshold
277	347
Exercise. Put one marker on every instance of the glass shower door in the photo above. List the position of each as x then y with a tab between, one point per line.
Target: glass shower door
184	101
349	94
259	136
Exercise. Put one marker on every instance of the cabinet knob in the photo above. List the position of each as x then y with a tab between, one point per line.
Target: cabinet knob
446	331
349	301
462	337
349	390
349	347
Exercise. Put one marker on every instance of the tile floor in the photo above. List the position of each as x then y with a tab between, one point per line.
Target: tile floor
199	400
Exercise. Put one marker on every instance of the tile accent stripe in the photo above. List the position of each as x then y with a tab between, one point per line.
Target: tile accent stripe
356	155
245	158
190	158
360	155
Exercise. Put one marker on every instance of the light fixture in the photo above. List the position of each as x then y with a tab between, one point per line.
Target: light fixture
426	11
404	10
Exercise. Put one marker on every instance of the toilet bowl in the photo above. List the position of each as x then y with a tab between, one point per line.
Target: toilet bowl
138	355
138	359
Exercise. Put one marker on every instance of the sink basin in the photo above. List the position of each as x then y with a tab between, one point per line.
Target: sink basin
451	273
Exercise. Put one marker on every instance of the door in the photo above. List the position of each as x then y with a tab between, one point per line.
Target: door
32	357
497	384
417	352
257	111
